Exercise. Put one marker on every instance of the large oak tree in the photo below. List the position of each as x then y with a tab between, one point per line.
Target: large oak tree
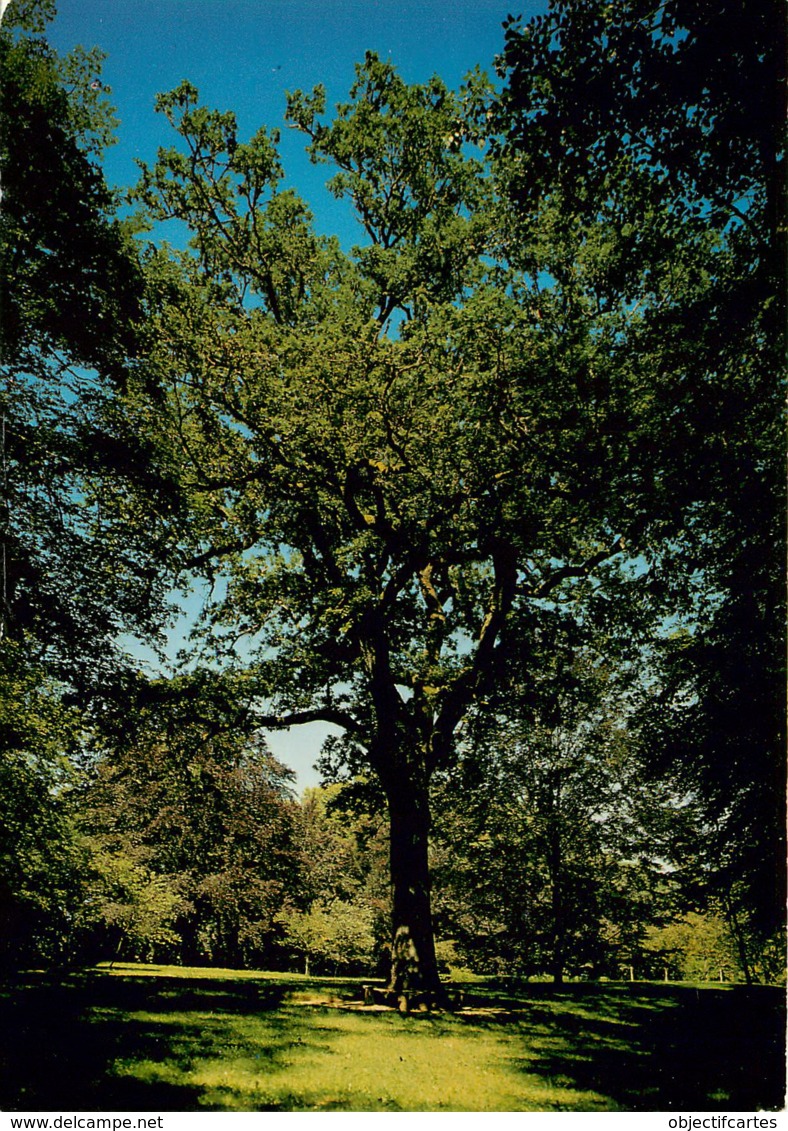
387	452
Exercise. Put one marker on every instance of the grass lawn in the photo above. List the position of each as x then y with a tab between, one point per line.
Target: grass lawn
145	1038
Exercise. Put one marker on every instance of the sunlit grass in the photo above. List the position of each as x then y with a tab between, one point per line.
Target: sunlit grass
216	974
353	1062
139	1037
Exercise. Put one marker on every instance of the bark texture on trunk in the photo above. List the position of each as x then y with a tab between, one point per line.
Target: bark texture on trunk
414	969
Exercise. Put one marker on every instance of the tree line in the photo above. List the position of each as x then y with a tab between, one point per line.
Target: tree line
497	491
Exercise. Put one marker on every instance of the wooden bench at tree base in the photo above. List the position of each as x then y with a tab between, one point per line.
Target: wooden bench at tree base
418	1001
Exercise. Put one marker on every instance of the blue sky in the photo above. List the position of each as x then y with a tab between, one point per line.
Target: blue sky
243	55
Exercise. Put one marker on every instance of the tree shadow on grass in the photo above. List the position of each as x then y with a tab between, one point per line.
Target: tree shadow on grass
653	1048
95	1042
67	1038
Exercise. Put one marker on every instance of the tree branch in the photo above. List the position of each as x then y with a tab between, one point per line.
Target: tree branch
582	570
315	715
466	684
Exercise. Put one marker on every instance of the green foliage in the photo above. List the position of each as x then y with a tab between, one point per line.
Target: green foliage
76	282
385	498
135	907
43	866
357	487
29	15
331	936
341	921
401	162
697	948
553	849
191	825
663	128
662	93
496	491
344	845
74	573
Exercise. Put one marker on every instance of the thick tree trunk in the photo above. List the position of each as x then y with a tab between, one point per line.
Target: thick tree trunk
414	969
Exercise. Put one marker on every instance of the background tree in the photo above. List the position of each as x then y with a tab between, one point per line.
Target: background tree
340	917
696	948
192	827
549	831
621	115
331	936
72	576
71	291
130	911
44	868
